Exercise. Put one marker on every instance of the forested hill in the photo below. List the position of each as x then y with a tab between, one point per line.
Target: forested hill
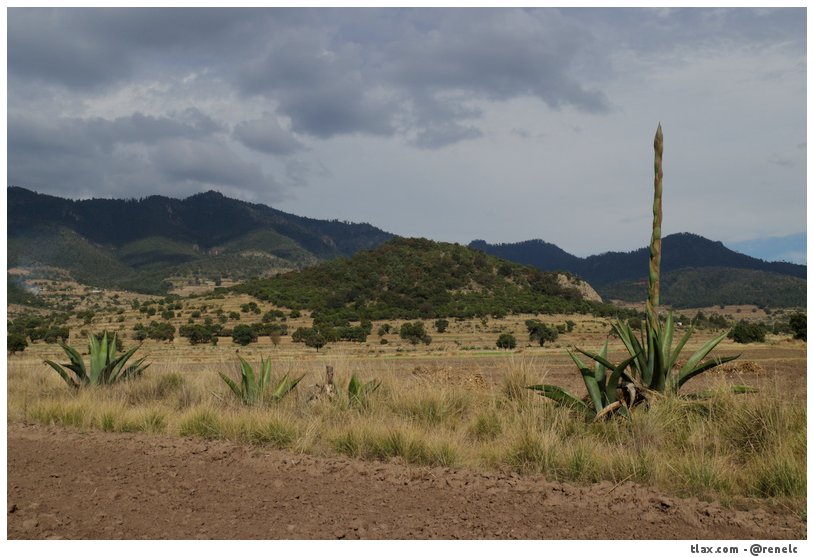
678	251
696	272
137	244
416	278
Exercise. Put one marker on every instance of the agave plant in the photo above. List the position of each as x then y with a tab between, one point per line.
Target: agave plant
605	392
105	367
253	387
652	361
358	391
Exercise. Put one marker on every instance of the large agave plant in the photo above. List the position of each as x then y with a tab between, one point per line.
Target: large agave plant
105	367
254	386
652	362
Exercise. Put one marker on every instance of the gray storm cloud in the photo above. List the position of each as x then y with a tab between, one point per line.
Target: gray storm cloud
271	104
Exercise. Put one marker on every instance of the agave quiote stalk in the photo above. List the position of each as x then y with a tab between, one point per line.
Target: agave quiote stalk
655	240
651	366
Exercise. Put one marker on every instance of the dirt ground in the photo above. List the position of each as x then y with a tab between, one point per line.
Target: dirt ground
67	484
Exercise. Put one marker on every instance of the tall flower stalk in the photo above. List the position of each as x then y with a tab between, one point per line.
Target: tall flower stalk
654	274
652	357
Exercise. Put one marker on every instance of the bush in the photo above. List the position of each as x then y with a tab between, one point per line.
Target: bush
414	333
745	332
441	325
506	341
160	331
244	334
540	332
313	338
16	343
797	322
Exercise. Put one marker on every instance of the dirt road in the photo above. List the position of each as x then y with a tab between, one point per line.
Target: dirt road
67	484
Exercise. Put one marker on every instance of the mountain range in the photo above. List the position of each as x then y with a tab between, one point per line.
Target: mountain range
138	244
695	272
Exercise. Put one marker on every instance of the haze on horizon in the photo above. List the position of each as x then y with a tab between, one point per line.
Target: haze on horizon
454	124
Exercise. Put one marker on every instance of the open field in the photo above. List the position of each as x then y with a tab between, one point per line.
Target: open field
99	485
457	406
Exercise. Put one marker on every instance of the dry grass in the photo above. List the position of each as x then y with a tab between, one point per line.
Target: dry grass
729	447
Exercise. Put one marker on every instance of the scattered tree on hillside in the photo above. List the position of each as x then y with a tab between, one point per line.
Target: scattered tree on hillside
506	341
797	322
16	343
744	332
244	335
415	333
540	332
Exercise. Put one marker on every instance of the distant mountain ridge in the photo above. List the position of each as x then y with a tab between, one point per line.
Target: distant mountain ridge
613	273
137	244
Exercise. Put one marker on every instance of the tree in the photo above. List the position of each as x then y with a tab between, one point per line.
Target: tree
797	322
540	332
506	341
160	331
16	343
414	333
745	332
243	335
441	325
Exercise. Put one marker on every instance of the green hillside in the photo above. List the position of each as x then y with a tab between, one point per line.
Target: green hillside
139	244
707	286
418	278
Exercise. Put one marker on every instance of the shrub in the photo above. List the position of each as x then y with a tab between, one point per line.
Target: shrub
441	325
414	333
506	341
540	332
244	335
16	343
744	332
312	337
797	322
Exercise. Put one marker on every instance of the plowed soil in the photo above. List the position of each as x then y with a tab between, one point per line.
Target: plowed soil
67	484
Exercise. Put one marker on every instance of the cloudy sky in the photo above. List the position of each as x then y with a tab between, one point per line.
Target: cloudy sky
502	125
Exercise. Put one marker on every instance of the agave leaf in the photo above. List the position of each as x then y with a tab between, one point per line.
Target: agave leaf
660	372
699	355
647	372
285	386
133	370
632	345
265	375
600	371
679	347
115	366
613	380
62	373
667	339
590	381
98	355
232	385
563	397
77	365
248	380
701	368
354	387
